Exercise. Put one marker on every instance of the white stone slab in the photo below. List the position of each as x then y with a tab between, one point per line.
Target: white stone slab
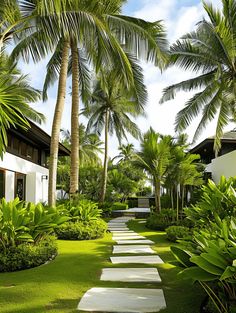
129	300
118	228
117	224
149	259
133	242
125	233
142	222
115	238
131	274
133	249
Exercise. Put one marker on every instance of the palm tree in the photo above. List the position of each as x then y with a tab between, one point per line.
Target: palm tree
98	29
15	96
110	108
209	51
126	153
154	158
90	146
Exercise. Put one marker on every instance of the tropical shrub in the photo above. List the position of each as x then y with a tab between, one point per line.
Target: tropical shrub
174	233
21	222
119	206
132	202
27	255
83	210
82	231
162	220
217	200
209	258
106	208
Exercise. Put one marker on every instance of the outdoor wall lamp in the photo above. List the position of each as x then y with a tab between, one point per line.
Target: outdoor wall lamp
44	177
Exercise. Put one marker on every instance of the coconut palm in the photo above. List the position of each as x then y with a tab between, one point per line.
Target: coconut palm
90	146
126	153
15	96
98	29
154	158
209	52
110	109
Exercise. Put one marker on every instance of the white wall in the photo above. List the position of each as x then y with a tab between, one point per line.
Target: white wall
36	187
224	165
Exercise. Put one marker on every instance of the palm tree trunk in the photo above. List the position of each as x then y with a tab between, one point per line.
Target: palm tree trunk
172	197
177	204
105	165
74	169
56	125
183	195
157	187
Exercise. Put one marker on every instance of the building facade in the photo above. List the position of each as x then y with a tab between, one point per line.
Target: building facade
23	169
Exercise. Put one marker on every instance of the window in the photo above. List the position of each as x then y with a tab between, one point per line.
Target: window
30	152
16	145
2	184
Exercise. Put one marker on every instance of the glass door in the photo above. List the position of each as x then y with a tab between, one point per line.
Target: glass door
20	186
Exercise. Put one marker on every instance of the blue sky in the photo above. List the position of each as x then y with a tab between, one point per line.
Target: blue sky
179	17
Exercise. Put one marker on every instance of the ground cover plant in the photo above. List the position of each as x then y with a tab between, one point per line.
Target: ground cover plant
77	268
24	234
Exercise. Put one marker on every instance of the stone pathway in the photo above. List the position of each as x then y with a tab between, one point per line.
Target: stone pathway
133	300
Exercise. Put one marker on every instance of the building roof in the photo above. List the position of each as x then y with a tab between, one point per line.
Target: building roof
39	137
229	137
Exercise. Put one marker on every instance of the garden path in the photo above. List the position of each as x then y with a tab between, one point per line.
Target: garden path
133	300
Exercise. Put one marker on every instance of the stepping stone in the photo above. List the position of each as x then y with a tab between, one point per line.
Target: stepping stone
125	233
133	249
142	222
127	237
117	224
149	259
134	242
131	275
118	228
132	300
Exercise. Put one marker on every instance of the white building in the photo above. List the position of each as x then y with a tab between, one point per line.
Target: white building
222	165
23	169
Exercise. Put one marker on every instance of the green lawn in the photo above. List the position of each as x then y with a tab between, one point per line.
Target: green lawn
58	286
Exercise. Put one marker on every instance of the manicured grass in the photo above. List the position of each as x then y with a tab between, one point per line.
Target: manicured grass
58	286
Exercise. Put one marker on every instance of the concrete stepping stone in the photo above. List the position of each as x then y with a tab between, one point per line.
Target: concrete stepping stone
125	233
133	249
142	222
131	275
118	228
133	242
149	259
132	300
127	237
117	224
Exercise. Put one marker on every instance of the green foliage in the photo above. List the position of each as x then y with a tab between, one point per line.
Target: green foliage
162	220
81	230
174	233
132	202
21	222
216	200
27	255
106	208
119	206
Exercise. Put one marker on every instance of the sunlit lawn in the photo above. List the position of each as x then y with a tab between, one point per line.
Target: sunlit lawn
58	286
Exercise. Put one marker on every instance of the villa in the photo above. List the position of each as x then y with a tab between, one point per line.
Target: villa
223	164
23	169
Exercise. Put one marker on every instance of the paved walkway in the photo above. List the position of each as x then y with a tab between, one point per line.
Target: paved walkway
133	300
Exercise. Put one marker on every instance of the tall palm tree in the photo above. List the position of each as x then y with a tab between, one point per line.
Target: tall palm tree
98	30
209	51
154	158
110	109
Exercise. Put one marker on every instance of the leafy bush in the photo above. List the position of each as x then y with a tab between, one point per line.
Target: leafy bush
215	200
106	208
26	222
210	259
161	221
119	206
174	233
84	211
133	202
27	255
82	231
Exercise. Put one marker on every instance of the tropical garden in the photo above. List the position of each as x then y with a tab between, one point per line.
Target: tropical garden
51	253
